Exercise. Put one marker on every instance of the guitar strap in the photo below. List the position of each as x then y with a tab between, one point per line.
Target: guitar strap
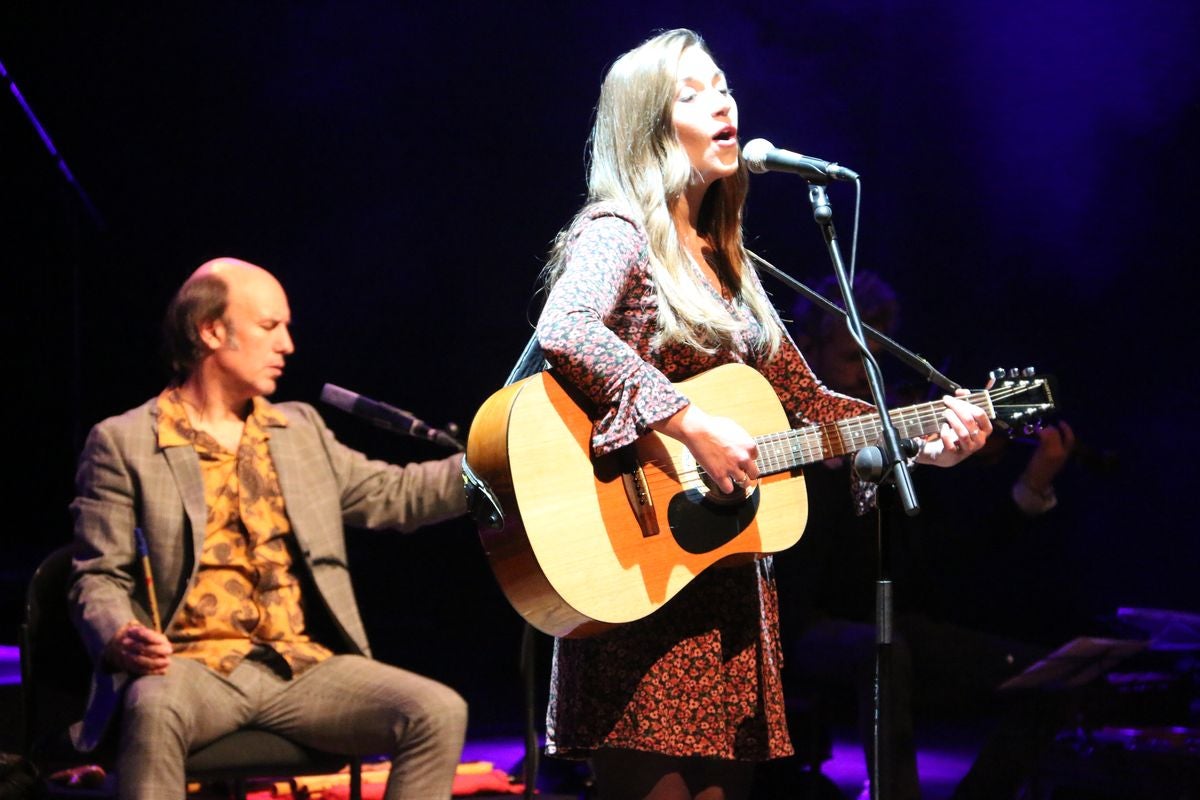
531	361
482	505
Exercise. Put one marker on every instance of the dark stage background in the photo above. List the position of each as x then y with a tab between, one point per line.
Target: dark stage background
1029	177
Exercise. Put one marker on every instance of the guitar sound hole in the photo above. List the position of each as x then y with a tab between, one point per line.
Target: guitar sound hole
700	525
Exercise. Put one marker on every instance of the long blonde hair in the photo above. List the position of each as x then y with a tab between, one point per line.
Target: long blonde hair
636	161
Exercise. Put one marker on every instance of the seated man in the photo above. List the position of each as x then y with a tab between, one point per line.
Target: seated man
242	505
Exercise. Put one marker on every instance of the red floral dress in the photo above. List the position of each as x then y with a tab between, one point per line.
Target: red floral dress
700	676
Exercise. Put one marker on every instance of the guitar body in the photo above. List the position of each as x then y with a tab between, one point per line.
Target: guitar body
585	544
580	544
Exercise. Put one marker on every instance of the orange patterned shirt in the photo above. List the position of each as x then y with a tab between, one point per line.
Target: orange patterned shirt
246	592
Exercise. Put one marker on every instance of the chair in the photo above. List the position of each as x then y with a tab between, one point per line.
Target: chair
55	673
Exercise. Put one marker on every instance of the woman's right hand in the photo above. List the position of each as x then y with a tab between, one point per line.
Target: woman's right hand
720	446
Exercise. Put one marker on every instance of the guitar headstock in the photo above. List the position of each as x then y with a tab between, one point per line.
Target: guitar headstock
1022	399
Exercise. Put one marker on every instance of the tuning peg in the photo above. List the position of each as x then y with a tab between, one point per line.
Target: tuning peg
1012	372
1029	372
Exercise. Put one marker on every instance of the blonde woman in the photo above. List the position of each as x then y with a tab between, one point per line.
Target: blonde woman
650	284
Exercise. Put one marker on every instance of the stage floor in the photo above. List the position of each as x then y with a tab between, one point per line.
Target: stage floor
945	754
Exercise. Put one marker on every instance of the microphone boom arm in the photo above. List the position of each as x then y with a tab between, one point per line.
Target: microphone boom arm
902	353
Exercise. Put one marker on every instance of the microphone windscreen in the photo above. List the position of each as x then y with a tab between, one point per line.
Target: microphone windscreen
755	153
338	397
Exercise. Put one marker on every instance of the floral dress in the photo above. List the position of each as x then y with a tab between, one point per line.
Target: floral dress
700	676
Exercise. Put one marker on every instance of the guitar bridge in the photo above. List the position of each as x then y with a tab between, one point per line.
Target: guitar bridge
637	492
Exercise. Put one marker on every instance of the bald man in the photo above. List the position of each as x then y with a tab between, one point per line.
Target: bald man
242	504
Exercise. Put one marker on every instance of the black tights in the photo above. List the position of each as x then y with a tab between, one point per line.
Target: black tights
629	775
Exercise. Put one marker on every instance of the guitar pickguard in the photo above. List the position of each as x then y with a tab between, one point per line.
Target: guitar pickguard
700	525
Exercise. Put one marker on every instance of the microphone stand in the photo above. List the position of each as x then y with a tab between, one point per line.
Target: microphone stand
530	362
889	464
99	225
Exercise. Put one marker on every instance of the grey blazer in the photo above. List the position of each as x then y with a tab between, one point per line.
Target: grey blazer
125	480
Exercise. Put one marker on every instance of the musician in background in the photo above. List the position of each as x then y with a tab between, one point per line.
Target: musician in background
828	580
242	505
650	284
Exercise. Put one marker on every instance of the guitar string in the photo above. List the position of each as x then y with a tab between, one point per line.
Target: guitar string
868	429
860	431
810	437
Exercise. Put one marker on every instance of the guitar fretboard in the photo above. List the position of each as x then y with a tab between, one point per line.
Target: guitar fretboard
789	449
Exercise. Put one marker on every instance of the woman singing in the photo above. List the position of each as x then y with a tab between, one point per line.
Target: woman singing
650	284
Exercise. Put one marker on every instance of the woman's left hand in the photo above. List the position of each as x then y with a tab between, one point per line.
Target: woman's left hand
964	430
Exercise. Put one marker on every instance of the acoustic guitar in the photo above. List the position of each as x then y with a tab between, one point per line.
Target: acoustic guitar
580	544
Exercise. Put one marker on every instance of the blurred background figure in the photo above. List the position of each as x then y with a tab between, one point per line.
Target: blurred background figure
828	580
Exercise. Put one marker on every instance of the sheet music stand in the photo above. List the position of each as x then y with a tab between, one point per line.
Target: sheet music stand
1167	629
1075	664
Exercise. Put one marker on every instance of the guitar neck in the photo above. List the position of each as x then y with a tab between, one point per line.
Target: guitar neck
786	450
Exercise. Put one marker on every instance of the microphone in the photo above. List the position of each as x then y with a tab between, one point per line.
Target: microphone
762	156
384	416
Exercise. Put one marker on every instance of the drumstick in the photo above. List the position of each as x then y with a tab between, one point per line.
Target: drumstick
148	576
